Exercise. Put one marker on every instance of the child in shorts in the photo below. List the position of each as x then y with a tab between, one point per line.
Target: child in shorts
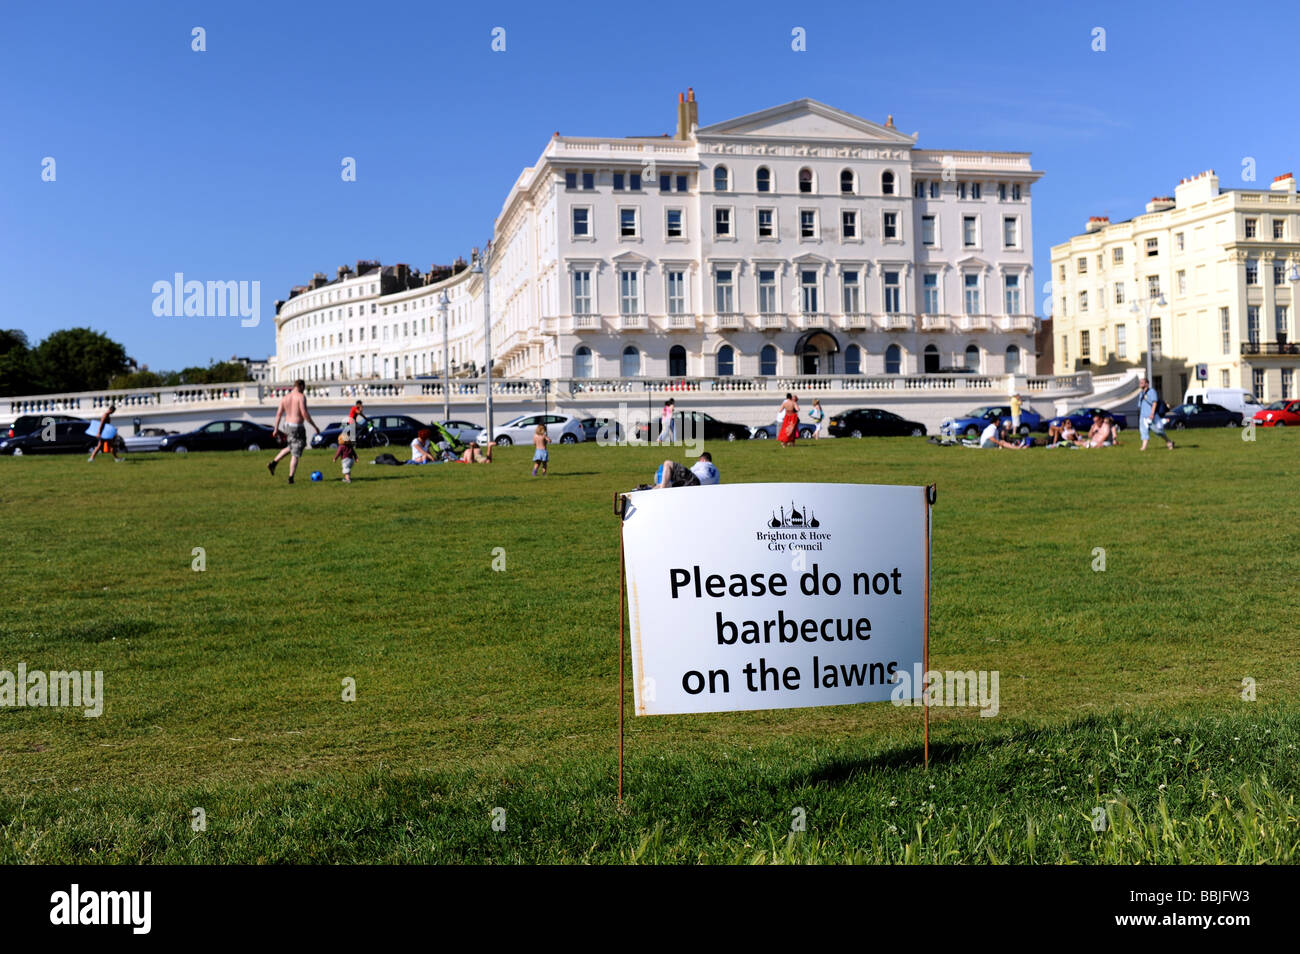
348	454
540	455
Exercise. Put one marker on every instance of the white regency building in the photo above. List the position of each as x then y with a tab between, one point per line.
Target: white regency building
800	240
1224	261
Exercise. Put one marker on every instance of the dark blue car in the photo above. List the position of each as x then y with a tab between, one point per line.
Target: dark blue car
1081	418
973	422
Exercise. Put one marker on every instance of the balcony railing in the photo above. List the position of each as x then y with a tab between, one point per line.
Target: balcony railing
771	322
631	322
898	322
681	323
728	320
857	320
973	323
934	322
584	322
1017	323
1270	348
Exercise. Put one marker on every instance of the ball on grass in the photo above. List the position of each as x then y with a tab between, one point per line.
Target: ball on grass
317	475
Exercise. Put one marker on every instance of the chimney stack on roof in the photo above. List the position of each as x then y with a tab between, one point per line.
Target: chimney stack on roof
1283	183
1161	203
687	114
1097	222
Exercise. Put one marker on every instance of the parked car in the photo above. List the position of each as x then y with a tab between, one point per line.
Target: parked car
695	425
382	430
27	423
149	439
1230	399
1201	415
463	431
602	429
222	435
69	437
1081	418
560	428
769	431
873	422
1279	414
973	422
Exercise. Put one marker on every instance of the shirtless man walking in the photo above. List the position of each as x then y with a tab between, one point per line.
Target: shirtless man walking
293	411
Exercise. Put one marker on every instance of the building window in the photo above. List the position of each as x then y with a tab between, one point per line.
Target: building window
886	183
846	181
726	361
935	189
1013	360
972	358
1153	332
969	235
630	366
676	292
1257	383
1224	378
1015	191
1179	243
763	179
618	181
1119	293
765	227
893	359
629	292
1085	348
1288	383
1225	329
927	230
634	181
1153	286
807	223
582	362
892	294
722	223
1117	255
808	290
1002	192
1279	273
1252	326
570	179
852	300
1153	247
674	222
1252	272
588	181
890	228
971	294
1279	229
1083	265
1180	281
852	360
682	183
976	190
918	189
1012	286
627	226
849	224
961	190
1010	232
1280	323
805	180
1083	301
767	360
724	292
767	291
666	182
1060	272
721	179
677	361
582	293
930	293
1252	228
581	222
1065	349
1121	341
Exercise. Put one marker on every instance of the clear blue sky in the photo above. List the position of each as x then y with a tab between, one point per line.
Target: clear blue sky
224	165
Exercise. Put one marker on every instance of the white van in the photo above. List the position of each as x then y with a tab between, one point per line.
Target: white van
1234	399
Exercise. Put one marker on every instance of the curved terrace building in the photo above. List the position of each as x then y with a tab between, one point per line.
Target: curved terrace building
799	240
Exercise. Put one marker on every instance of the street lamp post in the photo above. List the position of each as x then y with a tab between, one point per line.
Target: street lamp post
446	367
483	266
1147	305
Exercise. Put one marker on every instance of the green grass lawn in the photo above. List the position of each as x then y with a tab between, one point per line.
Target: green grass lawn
478	690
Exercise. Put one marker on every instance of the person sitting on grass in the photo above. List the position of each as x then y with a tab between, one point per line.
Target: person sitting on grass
673	474
996	433
1100	434
421	450
1063	434
478	455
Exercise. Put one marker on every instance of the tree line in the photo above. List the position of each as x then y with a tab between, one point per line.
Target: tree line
79	359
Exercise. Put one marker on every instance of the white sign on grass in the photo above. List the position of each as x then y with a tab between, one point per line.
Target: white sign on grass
769	596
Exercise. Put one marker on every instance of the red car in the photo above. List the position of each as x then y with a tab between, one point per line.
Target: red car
1279	414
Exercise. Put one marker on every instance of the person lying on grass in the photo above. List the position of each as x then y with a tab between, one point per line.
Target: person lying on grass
477	455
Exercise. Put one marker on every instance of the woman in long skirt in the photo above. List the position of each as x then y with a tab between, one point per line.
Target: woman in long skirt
789	431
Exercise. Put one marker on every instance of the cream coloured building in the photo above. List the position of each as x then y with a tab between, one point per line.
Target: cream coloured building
1223	260
799	240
